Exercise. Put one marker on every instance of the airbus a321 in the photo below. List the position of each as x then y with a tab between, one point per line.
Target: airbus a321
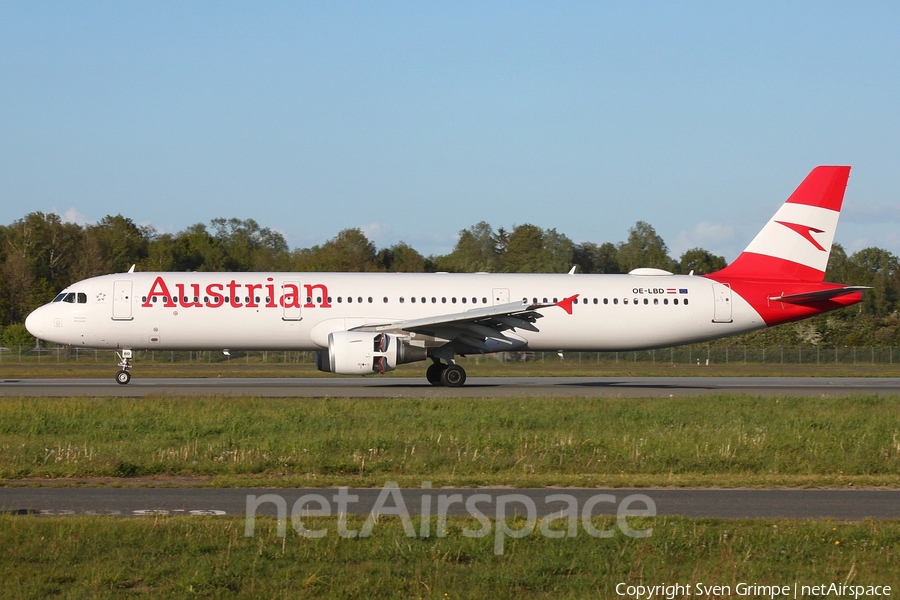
368	323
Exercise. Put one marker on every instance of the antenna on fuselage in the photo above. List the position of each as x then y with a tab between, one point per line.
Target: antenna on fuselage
131	270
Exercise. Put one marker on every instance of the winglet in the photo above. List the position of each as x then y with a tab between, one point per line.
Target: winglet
566	303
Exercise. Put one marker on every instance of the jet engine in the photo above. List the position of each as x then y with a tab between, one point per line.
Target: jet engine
365	353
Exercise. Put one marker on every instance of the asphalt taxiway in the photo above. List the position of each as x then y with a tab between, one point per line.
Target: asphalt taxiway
398	387
845	505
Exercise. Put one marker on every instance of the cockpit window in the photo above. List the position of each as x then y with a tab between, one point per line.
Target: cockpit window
59	298
70	298
82	298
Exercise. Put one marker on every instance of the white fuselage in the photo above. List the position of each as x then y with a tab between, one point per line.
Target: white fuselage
297	311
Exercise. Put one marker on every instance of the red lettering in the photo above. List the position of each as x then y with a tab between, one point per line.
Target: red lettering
251	291
309	295
291	296
232	294
270	291
159	288
182	295
216	299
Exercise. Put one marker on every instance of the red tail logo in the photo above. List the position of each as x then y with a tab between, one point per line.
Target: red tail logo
805	231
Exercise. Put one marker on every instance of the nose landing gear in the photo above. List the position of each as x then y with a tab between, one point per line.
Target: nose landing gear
123	376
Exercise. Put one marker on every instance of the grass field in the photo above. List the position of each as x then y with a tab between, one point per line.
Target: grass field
723	441
210	557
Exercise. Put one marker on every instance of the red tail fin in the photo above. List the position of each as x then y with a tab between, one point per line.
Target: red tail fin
795	244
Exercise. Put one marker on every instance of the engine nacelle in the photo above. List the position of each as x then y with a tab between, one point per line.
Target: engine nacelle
365	353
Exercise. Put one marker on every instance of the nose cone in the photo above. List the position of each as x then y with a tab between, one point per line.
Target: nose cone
34	323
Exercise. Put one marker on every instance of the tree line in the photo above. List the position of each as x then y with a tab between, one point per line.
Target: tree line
41	254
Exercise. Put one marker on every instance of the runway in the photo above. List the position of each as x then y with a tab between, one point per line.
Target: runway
397	387
846	505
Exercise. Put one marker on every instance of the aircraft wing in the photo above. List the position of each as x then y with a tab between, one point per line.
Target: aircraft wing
818	296
480	328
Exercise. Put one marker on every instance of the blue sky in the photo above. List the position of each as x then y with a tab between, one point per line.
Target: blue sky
415	120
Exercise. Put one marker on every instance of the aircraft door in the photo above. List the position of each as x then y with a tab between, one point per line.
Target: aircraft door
722	306
291	301
122	301
501	295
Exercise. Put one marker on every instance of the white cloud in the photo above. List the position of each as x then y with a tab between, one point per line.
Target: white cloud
715	237
73	215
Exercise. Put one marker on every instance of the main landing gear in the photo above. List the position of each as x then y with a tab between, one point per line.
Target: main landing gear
450	375
123	376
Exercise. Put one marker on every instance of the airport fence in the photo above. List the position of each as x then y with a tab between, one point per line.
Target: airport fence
697	354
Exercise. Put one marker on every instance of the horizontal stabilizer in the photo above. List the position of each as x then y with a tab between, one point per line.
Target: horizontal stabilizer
818	296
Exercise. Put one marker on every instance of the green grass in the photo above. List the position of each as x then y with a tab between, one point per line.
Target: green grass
209	557
717	440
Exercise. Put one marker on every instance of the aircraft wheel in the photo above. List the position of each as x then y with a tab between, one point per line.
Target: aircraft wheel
123	377
453	376
433	374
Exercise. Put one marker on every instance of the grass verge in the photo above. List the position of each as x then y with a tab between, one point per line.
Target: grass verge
97	557
723	440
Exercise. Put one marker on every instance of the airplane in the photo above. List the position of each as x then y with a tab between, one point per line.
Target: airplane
368	323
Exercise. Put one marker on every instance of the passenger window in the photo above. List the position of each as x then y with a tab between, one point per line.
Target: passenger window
646	301
453	300
624	300
685	301
656	301
666	301
675	301
401	299
339	299
464	300
359	299
484	300
385	299
412	299
615	300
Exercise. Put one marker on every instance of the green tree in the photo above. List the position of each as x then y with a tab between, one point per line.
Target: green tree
644	248
878	269
475	250
247	246
122	243
16	336
349	251
593	258
530	249
402	258
701	262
